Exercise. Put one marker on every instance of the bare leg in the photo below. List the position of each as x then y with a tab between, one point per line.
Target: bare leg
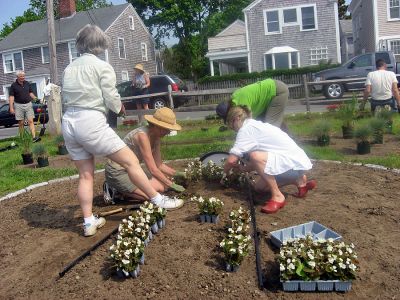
146	106
157	185
85	185
258	160
32	127
128	160
21	125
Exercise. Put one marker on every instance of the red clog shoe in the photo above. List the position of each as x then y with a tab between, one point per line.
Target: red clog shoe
272	206
303	190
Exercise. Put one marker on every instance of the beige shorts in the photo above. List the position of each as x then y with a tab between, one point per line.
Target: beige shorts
87	134
23	111
119	179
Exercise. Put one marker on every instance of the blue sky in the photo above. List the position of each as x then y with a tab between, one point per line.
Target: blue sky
12	8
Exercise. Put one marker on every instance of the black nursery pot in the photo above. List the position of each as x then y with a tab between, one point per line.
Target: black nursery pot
42	162
323	140
27	158
62	150
363	148
347	132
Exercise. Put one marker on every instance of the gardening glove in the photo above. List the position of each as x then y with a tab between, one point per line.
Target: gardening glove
177	188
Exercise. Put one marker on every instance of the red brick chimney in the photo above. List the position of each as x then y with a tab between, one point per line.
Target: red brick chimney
67	8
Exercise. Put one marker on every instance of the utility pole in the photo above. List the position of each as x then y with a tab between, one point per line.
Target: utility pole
52	42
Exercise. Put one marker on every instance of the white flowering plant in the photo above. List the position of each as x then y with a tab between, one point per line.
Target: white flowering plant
193	171
212	172
236	247
208	206
137	225
160	213
234	178
307	259
148	209
126	253
240	216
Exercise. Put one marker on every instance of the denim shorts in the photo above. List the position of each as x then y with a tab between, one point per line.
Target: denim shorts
87	134
391	102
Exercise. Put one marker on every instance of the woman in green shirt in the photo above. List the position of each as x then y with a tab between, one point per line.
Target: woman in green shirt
266	100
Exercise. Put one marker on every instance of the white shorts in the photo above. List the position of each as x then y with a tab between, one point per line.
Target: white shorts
87	134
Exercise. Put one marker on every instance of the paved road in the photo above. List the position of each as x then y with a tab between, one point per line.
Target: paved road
194	115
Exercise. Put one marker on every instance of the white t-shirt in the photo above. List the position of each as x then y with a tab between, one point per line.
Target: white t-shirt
381	84
283	152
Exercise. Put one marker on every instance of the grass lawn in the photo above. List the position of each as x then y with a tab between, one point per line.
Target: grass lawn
195	139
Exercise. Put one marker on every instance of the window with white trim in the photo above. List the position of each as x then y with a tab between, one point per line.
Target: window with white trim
131	23
290	16
272	21
13	62
318	54
73	53
121	48
125	76
284	60
308	18
394	9
395	48
143	49
45	55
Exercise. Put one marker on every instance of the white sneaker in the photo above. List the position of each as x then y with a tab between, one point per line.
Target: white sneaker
169	203
91	229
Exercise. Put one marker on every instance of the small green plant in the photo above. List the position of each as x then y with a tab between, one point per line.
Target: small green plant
25	139
40	151
59	140
386	114
363	133
347	112
208	206
321	131
378	128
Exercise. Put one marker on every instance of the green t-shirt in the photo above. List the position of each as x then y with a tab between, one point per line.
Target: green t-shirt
256	96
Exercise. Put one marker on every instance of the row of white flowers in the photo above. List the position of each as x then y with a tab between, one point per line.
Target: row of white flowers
133	234
236	244
308	259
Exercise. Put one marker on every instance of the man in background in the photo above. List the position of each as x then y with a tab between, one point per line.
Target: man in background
21	97
382	86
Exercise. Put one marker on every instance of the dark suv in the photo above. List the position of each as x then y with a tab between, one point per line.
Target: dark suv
158	84
8	120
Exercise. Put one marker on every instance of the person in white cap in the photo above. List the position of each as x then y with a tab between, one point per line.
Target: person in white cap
145	142
88	90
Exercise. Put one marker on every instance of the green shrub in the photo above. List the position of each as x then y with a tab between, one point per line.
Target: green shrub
40	151
25	139
347	112
363	133
321	128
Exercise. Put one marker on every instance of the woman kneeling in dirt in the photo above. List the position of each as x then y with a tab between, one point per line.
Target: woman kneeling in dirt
145	143
88	89
272	153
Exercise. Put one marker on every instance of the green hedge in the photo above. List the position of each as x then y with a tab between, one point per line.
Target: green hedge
268	73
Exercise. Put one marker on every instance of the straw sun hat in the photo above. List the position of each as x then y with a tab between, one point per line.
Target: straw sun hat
139	67
165	118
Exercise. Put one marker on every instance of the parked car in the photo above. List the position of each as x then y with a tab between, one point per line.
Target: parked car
158	84
8	120
357	67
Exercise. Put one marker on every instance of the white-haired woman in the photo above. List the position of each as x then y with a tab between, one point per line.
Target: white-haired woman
88	90
272	153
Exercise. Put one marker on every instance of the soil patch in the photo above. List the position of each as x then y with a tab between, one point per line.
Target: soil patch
40	234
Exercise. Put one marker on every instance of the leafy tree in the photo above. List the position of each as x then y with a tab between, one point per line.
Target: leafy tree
37	11
343	10
192	22
27	16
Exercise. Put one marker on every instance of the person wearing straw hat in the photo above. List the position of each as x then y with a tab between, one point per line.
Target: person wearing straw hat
141	84
145	142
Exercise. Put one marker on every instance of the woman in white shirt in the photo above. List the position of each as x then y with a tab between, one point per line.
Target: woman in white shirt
272	153
88	90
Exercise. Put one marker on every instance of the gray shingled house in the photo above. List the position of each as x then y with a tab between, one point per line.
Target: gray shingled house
280	34
27	47
346	40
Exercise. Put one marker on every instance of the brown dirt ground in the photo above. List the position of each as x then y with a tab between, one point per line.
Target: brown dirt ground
40	234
